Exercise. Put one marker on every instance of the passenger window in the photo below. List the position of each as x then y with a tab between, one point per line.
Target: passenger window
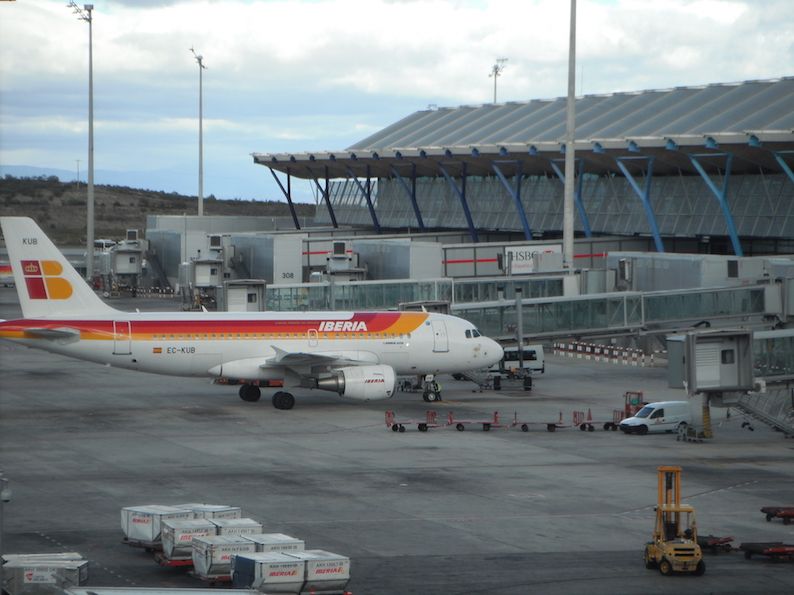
657	413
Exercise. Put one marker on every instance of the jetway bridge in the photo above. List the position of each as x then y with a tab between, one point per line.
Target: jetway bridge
634	313
547	314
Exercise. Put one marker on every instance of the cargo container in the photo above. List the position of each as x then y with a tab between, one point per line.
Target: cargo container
212	511
326	572
43	577
40	557
237	526
271	572
276	542
177	536
157	591
143	524
212	555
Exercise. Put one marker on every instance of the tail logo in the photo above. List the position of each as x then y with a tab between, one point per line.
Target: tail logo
43	280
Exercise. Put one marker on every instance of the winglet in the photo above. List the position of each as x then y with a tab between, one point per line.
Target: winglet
47	284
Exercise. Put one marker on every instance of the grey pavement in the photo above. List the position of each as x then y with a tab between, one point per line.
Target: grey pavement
442	512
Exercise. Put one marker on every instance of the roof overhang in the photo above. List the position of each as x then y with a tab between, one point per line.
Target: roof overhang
753	151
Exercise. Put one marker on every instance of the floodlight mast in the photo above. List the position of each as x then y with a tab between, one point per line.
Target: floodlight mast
199	60
570	133
86	14
496	71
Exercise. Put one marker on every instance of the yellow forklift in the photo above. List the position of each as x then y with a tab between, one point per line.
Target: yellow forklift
675	540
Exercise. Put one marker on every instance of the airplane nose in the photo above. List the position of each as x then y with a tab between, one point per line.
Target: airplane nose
494	352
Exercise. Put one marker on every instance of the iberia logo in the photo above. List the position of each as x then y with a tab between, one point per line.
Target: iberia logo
44	281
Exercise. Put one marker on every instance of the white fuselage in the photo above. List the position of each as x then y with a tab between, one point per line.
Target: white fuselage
196	344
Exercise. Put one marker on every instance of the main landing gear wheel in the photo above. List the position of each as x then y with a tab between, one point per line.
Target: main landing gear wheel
431	397
283	400
250	393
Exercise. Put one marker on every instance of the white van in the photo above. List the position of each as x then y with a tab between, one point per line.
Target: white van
663	416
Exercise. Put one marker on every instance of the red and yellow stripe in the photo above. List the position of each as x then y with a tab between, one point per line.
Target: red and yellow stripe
378	324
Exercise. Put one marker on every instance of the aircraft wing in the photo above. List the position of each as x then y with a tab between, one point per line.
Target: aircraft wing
297	363
300	359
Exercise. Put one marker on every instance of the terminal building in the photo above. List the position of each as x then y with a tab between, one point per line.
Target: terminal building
711	164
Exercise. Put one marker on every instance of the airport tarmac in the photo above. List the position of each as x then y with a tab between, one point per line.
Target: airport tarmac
445	512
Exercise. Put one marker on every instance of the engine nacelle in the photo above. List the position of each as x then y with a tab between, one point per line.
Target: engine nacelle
365	383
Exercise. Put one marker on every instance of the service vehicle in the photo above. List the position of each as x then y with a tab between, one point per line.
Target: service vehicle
662	416
674	546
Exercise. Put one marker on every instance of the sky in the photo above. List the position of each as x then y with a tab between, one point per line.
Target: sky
312	75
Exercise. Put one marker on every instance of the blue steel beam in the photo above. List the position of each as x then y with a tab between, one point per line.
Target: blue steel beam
577	195
784	166
367	195
411	192
721	196
461	192
287	194
325	194
515	193
644	195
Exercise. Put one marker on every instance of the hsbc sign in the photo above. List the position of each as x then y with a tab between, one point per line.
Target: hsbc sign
520	260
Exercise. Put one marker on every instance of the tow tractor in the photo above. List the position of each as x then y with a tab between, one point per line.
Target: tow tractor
674	547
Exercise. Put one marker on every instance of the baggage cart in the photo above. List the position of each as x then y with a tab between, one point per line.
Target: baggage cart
430	421
786	513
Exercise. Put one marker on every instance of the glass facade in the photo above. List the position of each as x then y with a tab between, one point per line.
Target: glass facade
773	354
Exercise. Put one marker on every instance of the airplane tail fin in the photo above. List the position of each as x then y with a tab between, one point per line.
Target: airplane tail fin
47	284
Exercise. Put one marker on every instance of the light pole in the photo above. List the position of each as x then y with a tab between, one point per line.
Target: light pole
85	14
199	60
570	132
496	71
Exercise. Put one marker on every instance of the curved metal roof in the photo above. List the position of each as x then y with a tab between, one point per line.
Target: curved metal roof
713	109
712	118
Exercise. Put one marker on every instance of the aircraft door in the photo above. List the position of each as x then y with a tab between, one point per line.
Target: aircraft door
440	339
121	338
312	337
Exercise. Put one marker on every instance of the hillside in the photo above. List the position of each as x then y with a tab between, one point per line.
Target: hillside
60	208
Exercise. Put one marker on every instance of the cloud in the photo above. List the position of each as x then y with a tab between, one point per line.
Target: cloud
322	74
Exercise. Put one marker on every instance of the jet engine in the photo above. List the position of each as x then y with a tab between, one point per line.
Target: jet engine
364	383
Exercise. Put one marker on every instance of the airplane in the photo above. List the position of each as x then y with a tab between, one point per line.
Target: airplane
357	355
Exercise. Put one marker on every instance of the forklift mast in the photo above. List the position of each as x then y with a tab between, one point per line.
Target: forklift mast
669	501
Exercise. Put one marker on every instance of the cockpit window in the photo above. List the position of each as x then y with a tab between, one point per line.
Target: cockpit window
475	333
468	333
